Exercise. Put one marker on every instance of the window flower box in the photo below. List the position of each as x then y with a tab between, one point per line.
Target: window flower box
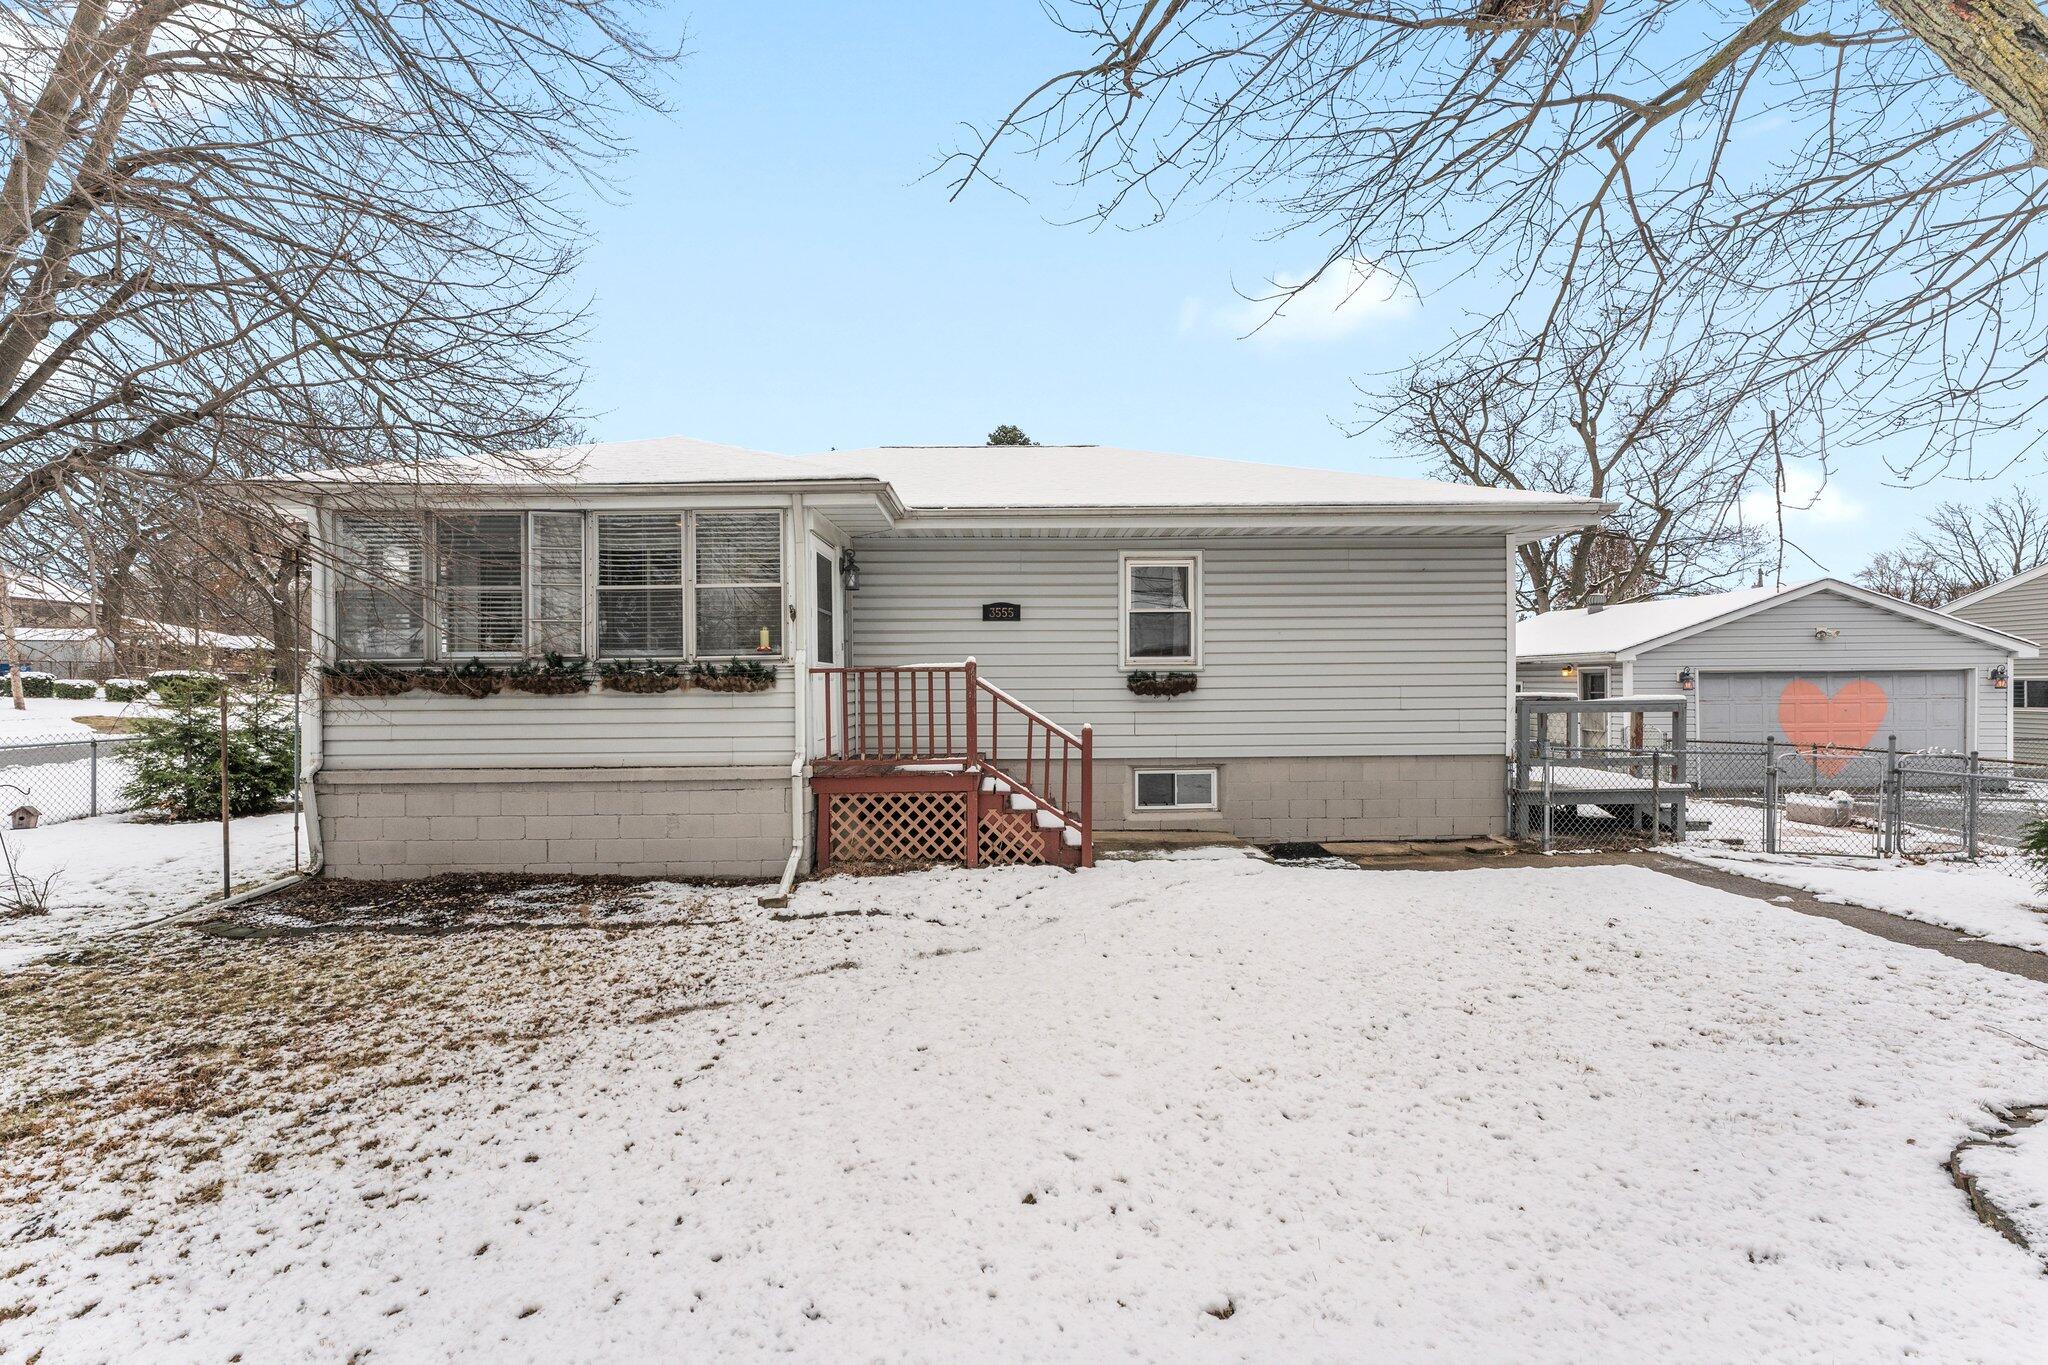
552	676
1146	683
475	680
741	675
358	680
642	678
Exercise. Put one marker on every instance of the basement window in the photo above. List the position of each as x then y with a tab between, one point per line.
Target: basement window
1183	789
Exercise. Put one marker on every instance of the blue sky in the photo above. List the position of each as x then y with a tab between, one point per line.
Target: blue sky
786	272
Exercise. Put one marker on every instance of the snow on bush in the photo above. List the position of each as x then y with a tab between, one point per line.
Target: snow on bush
74	689
127	689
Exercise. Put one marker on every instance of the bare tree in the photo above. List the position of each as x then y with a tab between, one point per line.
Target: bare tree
239	240
1962	549
1846	199
1592	415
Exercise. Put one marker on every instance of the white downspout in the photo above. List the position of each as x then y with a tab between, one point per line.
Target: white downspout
312	746
800	682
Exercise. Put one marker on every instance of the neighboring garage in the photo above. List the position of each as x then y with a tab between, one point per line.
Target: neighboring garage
1823	663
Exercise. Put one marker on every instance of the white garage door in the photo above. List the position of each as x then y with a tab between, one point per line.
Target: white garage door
1856	710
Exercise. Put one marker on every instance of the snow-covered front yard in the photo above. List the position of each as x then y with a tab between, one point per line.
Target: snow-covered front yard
117	871
1197	1108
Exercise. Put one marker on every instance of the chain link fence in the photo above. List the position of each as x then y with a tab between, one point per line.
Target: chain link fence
63	776
1772	797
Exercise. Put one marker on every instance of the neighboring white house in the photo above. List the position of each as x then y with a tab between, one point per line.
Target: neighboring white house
1349	637
1821	663
2019	606
56	631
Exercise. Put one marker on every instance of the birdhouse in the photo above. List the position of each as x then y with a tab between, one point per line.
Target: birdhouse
24	817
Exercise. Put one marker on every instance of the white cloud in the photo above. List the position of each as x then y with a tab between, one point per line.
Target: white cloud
1348	296
1808	501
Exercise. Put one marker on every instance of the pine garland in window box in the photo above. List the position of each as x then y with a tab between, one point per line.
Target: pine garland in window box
741	675
1146	683
356	680
549	676
475	679
646	676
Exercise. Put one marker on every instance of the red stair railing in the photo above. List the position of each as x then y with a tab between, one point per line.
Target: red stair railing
941	714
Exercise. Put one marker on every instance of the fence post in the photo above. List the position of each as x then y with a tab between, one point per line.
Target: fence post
1970	810
1656	797
1887	803
1543	753
1771	794
93	769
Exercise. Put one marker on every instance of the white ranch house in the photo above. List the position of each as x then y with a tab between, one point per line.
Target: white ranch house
1349	639
1823	663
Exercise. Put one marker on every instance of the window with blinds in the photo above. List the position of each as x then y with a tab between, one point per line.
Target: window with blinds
739	583
554	573
640	585
480	571
379	599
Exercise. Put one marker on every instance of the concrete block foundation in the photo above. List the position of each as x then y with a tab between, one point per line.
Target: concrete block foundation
637	822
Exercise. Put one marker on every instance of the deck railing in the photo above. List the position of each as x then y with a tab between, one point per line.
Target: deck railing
949	714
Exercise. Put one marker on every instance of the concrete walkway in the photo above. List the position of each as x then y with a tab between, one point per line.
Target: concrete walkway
1964	948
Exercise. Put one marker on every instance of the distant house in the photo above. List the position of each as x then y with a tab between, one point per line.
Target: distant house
2019	605
57	630
36	601
1824	662
966	653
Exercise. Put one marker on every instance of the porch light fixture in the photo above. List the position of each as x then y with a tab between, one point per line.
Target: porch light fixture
1999	677
1568	671
849	570
1686	681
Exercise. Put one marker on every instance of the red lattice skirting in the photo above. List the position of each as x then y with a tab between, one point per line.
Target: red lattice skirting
906	829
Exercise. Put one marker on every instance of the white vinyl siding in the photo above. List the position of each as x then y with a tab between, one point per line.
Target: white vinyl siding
380	582
420	731
1310	647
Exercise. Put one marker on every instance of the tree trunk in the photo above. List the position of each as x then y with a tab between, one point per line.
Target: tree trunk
13	650
1999	48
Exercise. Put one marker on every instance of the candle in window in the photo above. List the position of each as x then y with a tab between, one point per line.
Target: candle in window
764	647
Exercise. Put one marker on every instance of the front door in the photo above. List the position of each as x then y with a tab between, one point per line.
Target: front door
828	615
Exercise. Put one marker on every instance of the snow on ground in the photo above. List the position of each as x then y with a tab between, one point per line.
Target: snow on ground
1201	1108
1994	901
2012	1173
117	871
54	719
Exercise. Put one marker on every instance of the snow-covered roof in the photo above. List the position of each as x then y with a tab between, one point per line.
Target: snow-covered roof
1044	477
1614	629
33	587
661	460
925	481
1632	626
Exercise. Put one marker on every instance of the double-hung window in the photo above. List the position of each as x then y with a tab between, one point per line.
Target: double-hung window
1162	623
739	582
480	570
640	602
380	591
2030	693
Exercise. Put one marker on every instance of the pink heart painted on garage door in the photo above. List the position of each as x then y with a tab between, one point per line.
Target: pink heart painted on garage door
1849	719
